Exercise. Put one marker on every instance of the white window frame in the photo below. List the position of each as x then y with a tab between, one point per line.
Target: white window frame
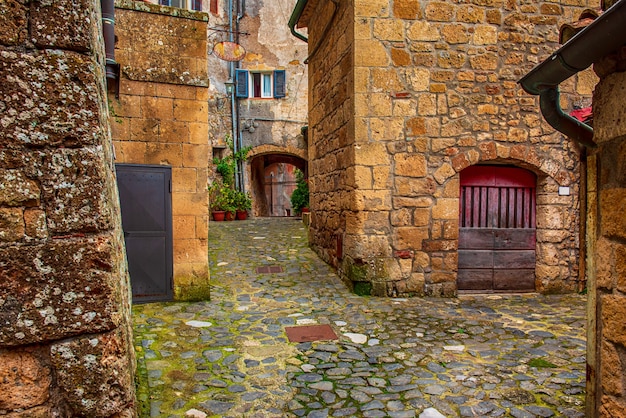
264	76
183	4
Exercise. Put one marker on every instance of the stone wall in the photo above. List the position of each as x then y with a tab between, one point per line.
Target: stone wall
607	203
65	338
161	117
404	96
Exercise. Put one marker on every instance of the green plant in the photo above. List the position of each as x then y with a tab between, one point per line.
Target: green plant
223	197
243	201
227	166
300	196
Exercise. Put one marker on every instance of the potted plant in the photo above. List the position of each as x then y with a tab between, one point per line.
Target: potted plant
222	201
243	203
300	196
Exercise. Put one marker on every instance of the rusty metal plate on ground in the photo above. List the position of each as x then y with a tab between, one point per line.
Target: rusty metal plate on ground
269	269
308	333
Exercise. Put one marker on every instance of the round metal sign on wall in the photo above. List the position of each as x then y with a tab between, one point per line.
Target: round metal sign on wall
229	51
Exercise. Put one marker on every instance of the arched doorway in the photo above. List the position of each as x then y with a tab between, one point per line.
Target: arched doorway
273	180
497	230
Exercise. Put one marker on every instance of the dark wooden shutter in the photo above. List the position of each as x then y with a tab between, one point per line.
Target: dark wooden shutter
241	88
196	5
280	83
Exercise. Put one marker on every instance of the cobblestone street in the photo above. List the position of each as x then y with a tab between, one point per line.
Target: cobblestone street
510	355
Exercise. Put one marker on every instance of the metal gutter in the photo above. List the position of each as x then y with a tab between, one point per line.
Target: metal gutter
295	17
605	35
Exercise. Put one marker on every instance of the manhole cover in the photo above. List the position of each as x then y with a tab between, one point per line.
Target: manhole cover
307	333
269	269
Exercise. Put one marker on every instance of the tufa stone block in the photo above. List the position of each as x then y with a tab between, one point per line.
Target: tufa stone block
45	300
11	224
61	24
93	365
63	110
13	22
24	379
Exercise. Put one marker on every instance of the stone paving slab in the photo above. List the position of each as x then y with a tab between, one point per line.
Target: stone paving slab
493	356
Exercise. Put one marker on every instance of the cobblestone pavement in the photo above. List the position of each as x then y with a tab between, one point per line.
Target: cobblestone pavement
520	356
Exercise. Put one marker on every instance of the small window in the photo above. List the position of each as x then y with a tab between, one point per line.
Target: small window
261	84
183	4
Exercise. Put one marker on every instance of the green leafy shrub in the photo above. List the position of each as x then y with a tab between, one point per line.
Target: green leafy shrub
243	201
223	197
300	196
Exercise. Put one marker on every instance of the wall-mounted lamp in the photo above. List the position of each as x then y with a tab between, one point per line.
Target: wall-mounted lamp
230	85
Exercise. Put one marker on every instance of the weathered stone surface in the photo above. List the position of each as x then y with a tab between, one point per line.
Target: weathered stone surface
162	48
11	224
39	110
17	189
13	22
24	379
91	367
74	190
43	299
61	24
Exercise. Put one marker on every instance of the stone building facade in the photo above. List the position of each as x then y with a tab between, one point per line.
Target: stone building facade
161	118
65	337
404	96
607	201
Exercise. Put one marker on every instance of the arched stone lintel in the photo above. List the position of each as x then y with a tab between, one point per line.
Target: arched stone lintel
521	155
274	149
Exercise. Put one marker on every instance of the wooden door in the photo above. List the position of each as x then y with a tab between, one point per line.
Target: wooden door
146	205
497	235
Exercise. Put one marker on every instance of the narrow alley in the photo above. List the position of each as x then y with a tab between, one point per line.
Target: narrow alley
498	355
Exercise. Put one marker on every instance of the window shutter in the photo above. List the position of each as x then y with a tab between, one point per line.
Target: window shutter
164	2
241	88
280	83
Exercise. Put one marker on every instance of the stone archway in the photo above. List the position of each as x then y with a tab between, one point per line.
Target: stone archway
557	213
271	179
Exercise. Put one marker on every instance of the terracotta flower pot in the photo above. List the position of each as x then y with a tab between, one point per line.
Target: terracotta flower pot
242	215
218	215
230	216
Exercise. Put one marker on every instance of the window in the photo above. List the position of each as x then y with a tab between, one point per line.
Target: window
183	4
261	84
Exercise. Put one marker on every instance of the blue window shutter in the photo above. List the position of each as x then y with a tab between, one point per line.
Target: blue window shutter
164	2
280	83
241	88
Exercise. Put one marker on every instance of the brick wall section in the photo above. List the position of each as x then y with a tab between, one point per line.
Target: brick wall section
161	117
65	339
410	94
610	237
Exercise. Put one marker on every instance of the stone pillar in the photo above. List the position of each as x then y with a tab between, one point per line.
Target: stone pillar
65	336
609	106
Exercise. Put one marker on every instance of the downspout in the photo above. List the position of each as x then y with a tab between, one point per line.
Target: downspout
233	95
112	68
605	35
295	16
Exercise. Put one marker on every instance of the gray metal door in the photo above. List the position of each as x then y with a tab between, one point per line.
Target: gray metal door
145	199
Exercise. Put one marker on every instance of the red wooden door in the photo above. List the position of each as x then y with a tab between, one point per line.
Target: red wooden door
497	232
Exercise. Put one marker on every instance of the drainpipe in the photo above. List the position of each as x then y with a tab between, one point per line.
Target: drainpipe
602	37
112	68
295	16
233	96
